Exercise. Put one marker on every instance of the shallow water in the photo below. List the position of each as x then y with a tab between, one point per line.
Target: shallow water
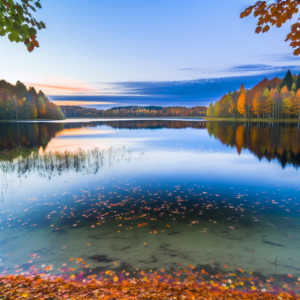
153	195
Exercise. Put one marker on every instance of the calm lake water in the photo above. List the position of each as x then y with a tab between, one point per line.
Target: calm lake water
150	195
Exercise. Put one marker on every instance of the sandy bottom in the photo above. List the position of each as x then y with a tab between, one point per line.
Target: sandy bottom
268	247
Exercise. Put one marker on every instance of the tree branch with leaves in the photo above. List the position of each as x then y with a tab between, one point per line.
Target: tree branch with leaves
276	14
17	21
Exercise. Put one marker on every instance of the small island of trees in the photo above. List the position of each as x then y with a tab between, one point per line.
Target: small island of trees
269	99
19	103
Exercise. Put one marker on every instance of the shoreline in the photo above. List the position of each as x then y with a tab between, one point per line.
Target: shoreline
252	120
100	119
152	285
156	118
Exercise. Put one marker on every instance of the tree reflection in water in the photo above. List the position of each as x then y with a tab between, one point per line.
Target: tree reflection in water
270	140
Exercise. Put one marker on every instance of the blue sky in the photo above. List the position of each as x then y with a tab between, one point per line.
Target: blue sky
105	47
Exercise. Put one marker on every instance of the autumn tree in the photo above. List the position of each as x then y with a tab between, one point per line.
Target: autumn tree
284	91
17	21
286	105
295	106
276	13
256	105
217	109
210	110
241	104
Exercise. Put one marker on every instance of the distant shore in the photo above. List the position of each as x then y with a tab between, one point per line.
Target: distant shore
133	118
252	120
161	118
104	118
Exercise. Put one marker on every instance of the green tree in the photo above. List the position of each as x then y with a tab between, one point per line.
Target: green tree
17	22
266	93
297	83
41	107
21	88
210	110
217	109
287	80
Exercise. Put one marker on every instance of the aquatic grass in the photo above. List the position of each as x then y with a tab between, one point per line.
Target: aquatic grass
24	161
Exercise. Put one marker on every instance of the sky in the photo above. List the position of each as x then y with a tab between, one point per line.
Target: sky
146	48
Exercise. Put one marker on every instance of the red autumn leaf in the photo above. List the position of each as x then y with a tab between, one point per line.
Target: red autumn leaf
297	51
30	49
35	43
258	29
266	28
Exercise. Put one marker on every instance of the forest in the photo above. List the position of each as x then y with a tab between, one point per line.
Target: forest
269	99
133	111
19	103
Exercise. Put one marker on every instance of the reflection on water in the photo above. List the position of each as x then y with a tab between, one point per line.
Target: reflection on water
265	140
13	135
269	140
22	161
178	198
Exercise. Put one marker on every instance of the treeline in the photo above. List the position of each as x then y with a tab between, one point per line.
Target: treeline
269	99
133	111
17	102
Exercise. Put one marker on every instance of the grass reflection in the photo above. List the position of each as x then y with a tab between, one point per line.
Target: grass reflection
24	161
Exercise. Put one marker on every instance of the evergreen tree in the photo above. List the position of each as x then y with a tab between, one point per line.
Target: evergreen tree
242	88
298	83
287	80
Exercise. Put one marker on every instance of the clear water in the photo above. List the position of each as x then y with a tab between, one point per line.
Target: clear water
154	194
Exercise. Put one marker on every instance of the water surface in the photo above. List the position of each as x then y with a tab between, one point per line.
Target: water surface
150	195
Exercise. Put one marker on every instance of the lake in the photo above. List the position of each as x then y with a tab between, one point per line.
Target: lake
86	196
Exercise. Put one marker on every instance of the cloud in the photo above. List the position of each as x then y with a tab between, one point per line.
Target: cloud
205	88
248	69
189	69
260	68
279	57
59	87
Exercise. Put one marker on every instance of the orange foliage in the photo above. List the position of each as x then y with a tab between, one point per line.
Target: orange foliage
147	286
240	138
276	14
241	104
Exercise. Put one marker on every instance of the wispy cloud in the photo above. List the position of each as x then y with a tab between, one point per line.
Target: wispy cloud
208	87
287	57
59	87
249	69
258	68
